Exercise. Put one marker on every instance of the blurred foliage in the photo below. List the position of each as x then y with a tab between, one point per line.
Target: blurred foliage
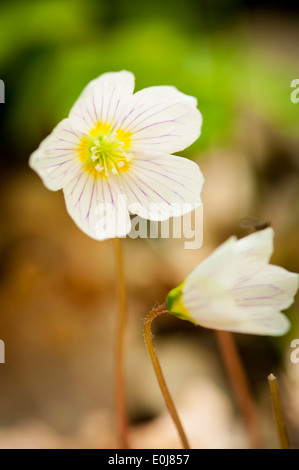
50	50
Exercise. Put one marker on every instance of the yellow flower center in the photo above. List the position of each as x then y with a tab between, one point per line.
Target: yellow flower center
105	151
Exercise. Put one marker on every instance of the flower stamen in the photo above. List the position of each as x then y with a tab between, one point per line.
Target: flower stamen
104	152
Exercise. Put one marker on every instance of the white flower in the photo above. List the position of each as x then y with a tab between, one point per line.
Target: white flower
115	143
235	289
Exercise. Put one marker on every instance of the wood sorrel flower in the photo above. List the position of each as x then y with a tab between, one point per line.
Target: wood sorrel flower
235	289
112	155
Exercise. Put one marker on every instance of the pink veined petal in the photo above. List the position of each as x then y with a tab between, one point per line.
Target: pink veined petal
56	159
210	305
162	186
102	100
96	207
253	304
161	120
273	287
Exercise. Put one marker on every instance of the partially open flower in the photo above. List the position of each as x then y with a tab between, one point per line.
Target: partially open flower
236	289
112	155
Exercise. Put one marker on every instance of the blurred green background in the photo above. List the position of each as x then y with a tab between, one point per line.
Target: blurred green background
238	58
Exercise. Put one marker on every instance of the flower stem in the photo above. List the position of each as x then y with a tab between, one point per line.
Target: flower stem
277	412
240	387
120	402
159	374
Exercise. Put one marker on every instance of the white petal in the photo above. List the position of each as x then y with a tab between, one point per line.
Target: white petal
161	187
102	100
56	160
237	261
220	265
96	207
266	323
161	119
272	286
208	302
254	252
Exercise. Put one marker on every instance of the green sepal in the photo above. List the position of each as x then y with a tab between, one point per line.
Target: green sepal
174	304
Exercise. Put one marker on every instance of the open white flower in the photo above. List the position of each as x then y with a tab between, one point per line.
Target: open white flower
113	154
235	289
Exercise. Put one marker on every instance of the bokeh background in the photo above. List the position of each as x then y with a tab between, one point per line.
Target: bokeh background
57	286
